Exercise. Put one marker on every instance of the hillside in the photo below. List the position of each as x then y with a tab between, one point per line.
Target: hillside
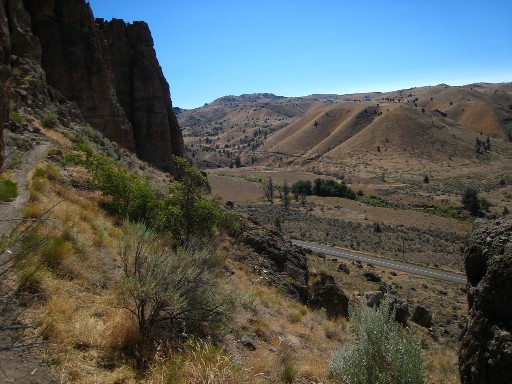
448	119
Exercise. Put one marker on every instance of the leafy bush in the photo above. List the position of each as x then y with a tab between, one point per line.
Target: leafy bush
185	211
385	353
159	285
323	187
49	119
8	190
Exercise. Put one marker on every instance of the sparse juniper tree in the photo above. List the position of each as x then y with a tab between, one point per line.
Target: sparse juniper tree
268	190
286	196
471	202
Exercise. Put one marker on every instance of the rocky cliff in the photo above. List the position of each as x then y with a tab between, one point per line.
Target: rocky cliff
108	71
486	348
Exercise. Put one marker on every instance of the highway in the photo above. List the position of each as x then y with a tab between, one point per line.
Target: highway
386	263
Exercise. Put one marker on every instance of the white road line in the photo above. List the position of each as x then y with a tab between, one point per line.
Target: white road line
386	264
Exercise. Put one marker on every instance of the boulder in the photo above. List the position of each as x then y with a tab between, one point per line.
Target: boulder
422	316
373	298
325	293
344	268
372	276
401	309
485	354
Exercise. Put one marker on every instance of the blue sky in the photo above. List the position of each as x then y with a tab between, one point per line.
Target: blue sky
209	49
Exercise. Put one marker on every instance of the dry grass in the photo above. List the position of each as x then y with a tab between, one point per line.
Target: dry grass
443	365
91	341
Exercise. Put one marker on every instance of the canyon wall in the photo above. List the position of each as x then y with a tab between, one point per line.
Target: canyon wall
108	70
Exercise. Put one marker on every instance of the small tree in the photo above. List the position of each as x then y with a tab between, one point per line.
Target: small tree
471	202
190	212
268	190
385	352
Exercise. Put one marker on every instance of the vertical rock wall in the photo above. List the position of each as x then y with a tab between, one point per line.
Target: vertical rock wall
76	59
109	69
143	91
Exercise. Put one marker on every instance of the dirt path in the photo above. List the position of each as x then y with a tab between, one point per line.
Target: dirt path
25	364
11	211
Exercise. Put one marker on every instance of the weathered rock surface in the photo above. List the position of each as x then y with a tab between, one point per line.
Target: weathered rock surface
373	298
76	59
485	354
326	293
422	316
277	259
143	91
104	73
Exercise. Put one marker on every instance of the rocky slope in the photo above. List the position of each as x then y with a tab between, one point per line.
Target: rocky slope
486	348
106	72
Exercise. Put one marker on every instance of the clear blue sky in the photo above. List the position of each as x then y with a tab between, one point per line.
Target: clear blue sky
213	48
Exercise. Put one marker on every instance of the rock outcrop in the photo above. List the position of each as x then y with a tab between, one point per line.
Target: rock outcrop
486	348
106	73
143	91
326	293
277	259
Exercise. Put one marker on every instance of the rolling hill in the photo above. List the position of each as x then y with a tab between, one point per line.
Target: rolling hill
433	122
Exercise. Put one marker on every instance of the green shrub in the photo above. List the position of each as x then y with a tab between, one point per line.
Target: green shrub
323	187
49	119
8	190
289	370
384	354
17	118
159	285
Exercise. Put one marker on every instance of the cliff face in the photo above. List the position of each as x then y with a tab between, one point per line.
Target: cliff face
142	90
486	347
108	70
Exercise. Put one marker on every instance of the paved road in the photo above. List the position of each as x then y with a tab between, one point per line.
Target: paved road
386	263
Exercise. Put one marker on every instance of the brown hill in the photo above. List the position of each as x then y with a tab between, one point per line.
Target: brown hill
435	122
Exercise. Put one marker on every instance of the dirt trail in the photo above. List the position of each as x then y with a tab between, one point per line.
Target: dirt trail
11	211
24	364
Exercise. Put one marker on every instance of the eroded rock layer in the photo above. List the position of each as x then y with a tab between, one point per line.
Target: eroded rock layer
108	70
486	347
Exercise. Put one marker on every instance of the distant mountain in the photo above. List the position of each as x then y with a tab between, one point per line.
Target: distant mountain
434	122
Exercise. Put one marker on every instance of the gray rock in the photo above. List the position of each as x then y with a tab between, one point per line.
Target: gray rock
248	343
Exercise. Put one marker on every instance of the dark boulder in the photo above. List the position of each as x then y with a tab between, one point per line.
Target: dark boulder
344	268
422	316
372	276
326	293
